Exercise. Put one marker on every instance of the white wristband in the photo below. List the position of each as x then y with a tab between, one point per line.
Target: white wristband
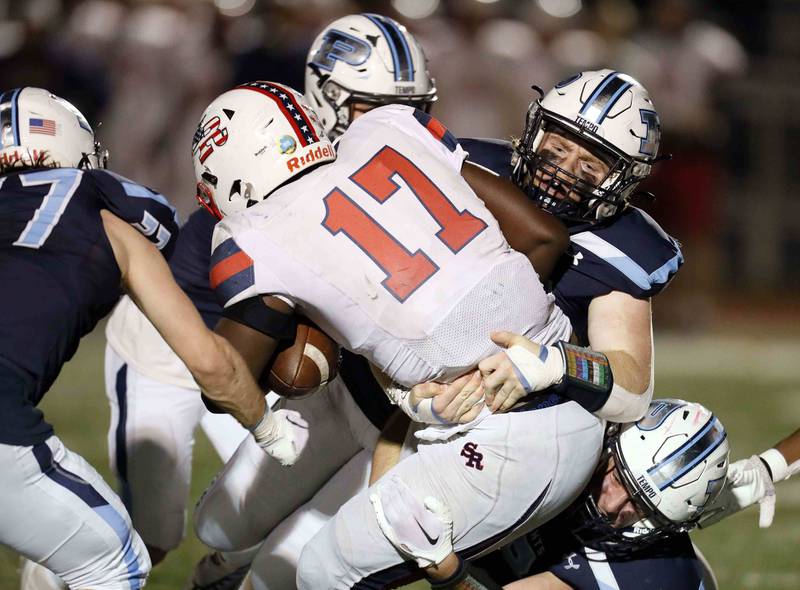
266	428
537	372
423	412
777	465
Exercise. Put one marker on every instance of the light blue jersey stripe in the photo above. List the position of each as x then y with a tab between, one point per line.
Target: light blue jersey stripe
622	262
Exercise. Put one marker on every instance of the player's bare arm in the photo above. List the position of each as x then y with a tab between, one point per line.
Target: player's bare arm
218	368
256	347
620	326
789	447
528	229
621	340
387	450
543	581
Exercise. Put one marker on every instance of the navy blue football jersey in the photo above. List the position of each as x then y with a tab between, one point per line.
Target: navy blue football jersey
191	261
59	274
669	564
630	253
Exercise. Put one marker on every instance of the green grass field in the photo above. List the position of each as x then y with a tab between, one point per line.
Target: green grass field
752	385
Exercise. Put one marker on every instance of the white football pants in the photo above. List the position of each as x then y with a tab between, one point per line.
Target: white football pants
253	493
506	476
150	442
58	511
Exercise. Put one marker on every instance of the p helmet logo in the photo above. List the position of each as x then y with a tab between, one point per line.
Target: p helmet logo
339	46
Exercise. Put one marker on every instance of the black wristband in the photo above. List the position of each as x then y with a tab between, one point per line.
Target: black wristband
769	470
256	314
587	376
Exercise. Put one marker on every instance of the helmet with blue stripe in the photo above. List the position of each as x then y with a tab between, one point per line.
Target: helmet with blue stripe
39	129
608	113
673	464
369	59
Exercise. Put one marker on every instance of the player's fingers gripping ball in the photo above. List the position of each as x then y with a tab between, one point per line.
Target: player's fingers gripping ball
421	531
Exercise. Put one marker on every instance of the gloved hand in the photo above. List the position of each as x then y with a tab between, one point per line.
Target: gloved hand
748	482
282	434
422	531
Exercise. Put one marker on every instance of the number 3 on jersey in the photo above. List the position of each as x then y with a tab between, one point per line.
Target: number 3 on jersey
405	271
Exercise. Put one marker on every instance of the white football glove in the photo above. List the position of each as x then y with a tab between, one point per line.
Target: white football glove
420	531
282	434
748	482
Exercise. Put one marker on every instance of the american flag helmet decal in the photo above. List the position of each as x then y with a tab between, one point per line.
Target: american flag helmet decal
290	107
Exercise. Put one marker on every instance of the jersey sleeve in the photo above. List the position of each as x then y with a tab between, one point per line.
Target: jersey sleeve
145	209
494	155
632	254
234	274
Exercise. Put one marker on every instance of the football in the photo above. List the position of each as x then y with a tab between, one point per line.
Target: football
306	365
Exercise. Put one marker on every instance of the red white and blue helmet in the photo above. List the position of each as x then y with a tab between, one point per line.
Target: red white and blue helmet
365	58
252	139
39	128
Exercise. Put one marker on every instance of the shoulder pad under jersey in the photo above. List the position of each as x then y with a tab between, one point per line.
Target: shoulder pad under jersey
412	123
632	254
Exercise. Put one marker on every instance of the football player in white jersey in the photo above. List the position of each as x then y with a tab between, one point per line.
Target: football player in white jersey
658	477
389	250
356	63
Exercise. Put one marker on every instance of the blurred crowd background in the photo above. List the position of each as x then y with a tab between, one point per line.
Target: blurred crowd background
723	75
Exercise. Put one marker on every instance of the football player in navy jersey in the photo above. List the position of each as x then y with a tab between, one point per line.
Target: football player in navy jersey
586	146
657	478
74	237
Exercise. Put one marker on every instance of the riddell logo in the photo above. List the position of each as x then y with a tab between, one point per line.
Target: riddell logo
208	135
312	156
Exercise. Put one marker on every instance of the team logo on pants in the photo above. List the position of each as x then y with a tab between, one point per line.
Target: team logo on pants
474	458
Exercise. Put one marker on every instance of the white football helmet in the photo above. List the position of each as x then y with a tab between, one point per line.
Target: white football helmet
252	139
609	113
673	463
365	58
39	128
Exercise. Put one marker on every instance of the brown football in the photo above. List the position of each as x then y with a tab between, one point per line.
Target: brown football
305	366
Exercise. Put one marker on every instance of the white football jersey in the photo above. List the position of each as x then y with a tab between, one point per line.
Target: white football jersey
390	252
